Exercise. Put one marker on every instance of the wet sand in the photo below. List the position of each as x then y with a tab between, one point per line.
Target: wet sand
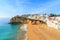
42	32
23	32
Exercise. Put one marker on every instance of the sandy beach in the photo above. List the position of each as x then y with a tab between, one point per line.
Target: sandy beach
39	31
23	32
42	32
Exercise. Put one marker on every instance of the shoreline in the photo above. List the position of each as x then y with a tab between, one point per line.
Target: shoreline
23	32
39	31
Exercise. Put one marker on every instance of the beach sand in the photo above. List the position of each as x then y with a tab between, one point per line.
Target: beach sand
39	31
23	32
42	32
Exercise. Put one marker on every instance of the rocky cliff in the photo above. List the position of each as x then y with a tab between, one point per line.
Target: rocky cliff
22	19
17	19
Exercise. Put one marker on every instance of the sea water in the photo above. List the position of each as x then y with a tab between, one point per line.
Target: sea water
8	31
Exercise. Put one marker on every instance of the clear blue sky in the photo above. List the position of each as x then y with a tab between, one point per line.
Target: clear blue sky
9	8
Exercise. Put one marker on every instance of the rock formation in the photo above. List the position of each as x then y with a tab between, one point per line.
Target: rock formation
22	19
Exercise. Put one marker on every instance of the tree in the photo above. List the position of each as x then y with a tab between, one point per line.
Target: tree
52	15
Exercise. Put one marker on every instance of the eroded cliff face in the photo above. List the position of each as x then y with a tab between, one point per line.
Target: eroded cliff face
20	19
32	17
17	19
23	19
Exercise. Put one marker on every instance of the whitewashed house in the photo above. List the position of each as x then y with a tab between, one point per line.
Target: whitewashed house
51	22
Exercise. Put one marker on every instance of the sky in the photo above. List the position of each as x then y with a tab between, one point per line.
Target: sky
10	8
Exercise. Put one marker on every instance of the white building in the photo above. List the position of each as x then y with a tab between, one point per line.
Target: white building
53	23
